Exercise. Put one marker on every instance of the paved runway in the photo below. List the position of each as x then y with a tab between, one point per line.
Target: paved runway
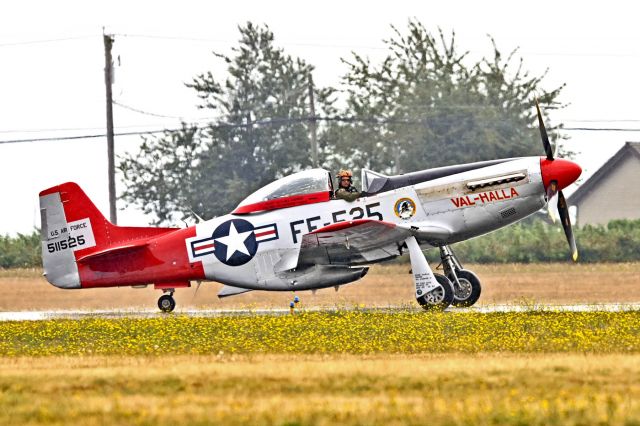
148	313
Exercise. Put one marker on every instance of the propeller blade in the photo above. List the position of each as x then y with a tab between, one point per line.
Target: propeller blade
563	210
551	215
543	134
552	190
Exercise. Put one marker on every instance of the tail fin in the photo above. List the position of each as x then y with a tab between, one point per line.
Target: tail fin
73	227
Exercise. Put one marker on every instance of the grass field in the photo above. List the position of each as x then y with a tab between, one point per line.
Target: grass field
451	389
342	332
541	367
388	285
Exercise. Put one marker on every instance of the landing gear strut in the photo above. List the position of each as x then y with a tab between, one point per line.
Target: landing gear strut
166	302
466	285
433	292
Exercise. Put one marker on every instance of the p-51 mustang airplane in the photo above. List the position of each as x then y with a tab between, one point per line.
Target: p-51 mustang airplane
293	235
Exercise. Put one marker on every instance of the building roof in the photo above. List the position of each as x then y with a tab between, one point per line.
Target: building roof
628	149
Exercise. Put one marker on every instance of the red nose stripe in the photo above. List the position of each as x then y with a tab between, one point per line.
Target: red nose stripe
565	172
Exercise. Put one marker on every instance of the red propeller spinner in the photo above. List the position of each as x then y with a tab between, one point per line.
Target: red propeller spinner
564	172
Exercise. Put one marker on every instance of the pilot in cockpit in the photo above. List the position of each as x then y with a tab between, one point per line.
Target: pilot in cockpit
346	190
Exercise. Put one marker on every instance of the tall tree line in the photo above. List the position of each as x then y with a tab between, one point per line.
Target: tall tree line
424	105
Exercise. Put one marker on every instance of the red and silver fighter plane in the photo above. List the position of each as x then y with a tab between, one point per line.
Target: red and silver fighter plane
294	235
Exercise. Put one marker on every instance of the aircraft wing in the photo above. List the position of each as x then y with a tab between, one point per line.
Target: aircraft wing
354	242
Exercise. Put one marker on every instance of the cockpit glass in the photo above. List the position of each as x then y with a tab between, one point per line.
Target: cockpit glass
306	182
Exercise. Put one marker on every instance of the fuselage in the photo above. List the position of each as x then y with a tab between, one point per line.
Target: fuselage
258	245
447	203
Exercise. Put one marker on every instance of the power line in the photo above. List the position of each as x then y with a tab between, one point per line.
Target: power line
206	120
67	129
150	132
75	137
599	129
286	43
345	46
229	42
281	121
201	120
139	111
594	120
154	114
175	38
50	40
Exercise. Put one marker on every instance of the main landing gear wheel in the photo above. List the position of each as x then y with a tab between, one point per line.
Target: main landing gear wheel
468	292
466	284
439	298
166	303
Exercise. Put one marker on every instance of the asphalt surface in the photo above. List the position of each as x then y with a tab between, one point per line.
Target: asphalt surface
204	313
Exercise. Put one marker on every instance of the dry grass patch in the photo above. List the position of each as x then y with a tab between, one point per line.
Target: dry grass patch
268	389
385	285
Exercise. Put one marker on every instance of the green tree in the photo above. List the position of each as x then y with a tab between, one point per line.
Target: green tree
21	251
427	105
262	134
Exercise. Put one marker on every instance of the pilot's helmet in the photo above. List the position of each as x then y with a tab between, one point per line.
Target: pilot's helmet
345	173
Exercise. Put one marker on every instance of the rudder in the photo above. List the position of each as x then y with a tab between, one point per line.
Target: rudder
63	232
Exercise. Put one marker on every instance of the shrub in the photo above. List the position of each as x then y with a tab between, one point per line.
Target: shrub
22	251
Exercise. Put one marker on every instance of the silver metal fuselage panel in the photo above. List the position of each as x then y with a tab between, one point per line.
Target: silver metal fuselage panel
461	210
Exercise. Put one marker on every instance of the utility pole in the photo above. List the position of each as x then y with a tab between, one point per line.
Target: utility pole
314	140
108	81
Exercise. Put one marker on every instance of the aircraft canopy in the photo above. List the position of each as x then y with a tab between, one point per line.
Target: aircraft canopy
306	187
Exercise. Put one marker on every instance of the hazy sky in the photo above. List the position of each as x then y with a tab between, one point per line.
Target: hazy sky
52	59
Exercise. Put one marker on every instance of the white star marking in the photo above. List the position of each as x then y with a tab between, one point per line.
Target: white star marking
235	241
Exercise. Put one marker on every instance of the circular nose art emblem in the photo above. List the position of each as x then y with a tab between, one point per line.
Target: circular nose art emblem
235	242
404	208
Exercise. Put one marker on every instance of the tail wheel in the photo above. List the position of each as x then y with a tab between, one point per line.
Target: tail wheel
468	293
439	298
166	303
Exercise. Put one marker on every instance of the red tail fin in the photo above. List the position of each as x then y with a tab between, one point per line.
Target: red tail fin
77	207
73	228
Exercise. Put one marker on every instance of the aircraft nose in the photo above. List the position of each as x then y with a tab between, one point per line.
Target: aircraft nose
565	172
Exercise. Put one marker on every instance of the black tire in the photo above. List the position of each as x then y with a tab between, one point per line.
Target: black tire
471	297
166	303
443	295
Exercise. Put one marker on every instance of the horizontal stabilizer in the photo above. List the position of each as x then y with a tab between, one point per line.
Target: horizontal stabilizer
113	251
